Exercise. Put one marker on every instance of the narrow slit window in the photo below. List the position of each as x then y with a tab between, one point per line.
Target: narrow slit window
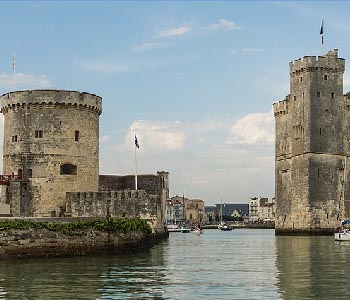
76	135
332	95
318	94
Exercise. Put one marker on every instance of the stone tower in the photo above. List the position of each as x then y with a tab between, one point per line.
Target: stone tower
51	142
312	147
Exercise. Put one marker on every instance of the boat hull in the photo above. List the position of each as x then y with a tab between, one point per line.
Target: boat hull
342	236
173	228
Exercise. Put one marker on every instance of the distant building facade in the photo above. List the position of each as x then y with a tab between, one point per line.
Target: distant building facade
261	210
181	209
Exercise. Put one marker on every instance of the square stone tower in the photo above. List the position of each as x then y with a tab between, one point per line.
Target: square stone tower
312	148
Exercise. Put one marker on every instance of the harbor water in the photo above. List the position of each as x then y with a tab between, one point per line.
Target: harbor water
238	264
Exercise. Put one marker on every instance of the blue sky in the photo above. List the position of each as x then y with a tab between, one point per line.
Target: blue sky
194	79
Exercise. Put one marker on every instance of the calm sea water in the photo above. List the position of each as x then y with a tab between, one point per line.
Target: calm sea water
241	264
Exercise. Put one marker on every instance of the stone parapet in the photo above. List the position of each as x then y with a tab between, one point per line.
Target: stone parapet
34	99
329	62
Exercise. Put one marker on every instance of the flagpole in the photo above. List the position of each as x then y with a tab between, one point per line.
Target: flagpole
135	169
137	146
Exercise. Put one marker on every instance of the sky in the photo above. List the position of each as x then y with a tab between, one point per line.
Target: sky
194	80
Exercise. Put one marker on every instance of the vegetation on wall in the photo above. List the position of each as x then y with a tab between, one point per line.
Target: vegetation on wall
110	224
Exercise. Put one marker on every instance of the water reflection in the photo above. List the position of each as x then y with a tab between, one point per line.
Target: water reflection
100	277
312	268
242	264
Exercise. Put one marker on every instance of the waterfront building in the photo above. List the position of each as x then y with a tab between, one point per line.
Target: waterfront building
228	209
195	211
261	210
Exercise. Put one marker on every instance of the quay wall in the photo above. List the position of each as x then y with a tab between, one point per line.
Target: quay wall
44	243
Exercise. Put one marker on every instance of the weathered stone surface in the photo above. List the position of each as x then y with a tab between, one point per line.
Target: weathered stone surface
43	131
312	148
43	243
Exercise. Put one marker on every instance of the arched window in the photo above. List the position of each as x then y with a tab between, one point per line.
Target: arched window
68	169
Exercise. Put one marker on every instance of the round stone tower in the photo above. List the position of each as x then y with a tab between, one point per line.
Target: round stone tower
51	143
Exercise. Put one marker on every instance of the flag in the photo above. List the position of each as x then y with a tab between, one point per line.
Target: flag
136	142
321	32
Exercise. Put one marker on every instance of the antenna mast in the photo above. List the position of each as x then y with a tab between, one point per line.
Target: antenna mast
14	71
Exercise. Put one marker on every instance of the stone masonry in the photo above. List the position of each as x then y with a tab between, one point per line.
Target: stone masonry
51	142
313	148
51	155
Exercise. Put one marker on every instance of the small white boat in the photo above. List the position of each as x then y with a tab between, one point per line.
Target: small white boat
342	233
224	227
173	228
198	230
185	229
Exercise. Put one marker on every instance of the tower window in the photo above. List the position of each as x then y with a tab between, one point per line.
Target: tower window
332	95
301	79
318	94
318	172
14	138
68	169
320	131
303	95
325	77
38	134
76	136
295	98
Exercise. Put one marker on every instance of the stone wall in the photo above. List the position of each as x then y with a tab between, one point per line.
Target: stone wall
149	183
124	203
44	243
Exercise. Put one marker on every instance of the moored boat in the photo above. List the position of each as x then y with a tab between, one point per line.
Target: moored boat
185	229
341	233
225	227
173	228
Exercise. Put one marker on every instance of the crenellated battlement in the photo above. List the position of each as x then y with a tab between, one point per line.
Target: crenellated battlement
281	107
329	62
50	99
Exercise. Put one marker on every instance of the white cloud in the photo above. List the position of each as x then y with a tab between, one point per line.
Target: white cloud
106	67
25	81
205	159
174	31
252	50
164	136
253	129
224	25
105	138
149	46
